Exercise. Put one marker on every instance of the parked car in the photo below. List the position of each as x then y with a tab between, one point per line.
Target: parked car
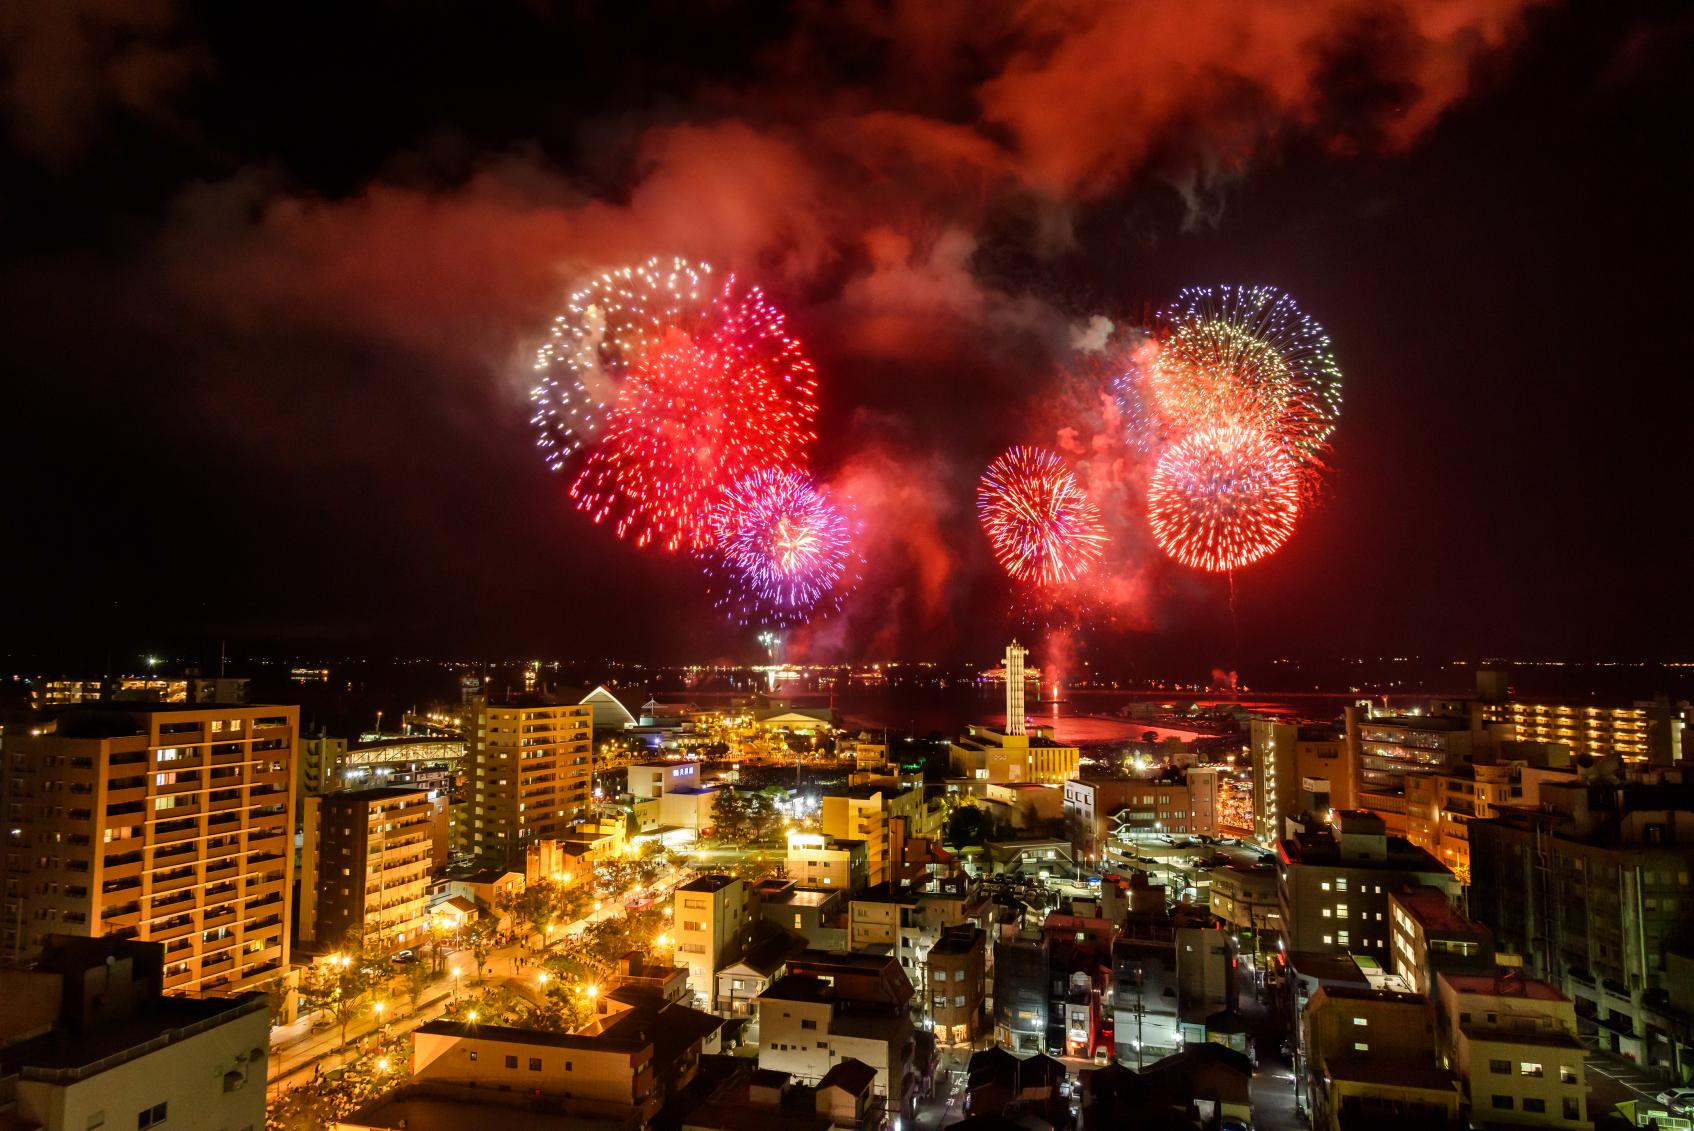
1677	1099
1232	1125
404	956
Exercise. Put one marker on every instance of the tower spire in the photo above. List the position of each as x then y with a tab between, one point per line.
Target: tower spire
1014	688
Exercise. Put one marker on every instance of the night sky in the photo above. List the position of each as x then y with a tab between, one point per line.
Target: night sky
268	293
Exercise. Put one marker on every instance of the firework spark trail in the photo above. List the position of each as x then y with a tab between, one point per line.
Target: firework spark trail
1223	497
784	547
1247	356
606	324
1043	527
698	408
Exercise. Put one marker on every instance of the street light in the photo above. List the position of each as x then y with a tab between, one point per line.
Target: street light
455	972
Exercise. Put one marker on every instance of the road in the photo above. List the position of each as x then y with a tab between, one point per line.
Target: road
1613	1080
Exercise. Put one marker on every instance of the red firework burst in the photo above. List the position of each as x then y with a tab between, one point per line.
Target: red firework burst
1223	497
698	410
1044	528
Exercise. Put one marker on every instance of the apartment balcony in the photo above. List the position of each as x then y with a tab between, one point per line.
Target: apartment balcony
175	835
218	917
179	980
173	931
126	917
217	964
163	884
132	795
259	968
261	888
128	869
224	804
227	757
218	869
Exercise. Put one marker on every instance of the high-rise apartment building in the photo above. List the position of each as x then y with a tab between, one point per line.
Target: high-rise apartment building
1640	733
163	823
527	776
1386	745
365	868
1593	890
1440	805
1296	769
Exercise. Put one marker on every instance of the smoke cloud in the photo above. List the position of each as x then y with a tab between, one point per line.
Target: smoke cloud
869	197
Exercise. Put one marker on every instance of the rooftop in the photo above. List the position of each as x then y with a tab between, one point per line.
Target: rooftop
539	1037
708	883
1533	989
60	1055
1396	1071
1431	907
433	1107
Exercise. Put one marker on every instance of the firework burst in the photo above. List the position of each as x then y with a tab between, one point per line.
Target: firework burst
1223	497
783	546
1044	528
1246	356
700	406
606	325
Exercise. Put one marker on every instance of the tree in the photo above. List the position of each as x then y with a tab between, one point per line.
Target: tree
536	906
420	976
339	986
479	935
732	817
967	825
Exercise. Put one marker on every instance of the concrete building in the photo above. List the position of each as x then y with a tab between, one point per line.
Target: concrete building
622	1067
655	779
1245	897
1640	734
829	1008
1333	884
811	914
1513	1043
909	923
1097	810
989	755
955	984
1019	752
1592	891
526	777
1021	988
1431	937
766	1100
742	981
90	1042
162	823
1032	857
1296	769
858	814
713	920
1384	744
1440	805
1372	1061
817	861
366	862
